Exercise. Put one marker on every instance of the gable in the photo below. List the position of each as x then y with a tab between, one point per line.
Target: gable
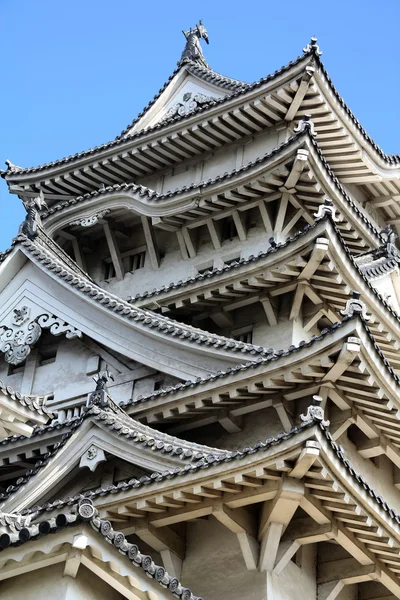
183	94
66	307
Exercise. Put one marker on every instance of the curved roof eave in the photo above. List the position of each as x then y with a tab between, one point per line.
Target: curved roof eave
149	201
179	335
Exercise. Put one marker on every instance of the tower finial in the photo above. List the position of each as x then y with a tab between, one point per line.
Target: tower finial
193	51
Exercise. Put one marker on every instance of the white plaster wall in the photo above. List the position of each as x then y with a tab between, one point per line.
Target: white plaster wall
260	145
295	583
49	584
214	567
44	584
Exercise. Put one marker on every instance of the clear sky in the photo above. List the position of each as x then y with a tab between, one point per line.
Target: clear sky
75	73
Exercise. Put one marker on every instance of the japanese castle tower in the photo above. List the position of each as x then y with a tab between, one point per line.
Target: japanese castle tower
199	352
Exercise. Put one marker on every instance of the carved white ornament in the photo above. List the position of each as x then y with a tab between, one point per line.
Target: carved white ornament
91	220
92	457
16	342
188	103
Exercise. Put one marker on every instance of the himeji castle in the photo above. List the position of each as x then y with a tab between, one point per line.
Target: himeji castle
199	352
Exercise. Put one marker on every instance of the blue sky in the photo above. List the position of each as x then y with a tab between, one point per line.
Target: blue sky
75	73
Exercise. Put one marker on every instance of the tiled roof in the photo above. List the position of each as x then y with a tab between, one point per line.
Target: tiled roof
392	159
39	430
121	424
211	460
34	403
217	459
46	256
85	512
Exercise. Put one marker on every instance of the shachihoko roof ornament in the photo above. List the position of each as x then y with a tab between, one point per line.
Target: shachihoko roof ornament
355	306
312	46
315	413
32	206
305	124
389	237
192	50
327	208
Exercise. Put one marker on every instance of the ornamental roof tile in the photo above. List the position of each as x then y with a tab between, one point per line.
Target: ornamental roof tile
34	403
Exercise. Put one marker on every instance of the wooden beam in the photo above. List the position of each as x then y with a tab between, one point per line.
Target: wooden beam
114	251
300	93
182	245
151	242
269	311
298	166
318	253
348	353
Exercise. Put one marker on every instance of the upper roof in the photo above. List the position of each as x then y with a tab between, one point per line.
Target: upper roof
226	89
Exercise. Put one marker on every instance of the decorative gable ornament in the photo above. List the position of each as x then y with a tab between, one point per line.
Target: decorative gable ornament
90	220
92	457
16	341
190	101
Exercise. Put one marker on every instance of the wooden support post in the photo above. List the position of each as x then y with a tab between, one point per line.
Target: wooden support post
275	517
151	242
350	350
298	300
114	251
317	255
214	234
269	311
280	218
305	461
230	423
191	249
243	524
182	245
265	216
280	405
72	563
240	227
